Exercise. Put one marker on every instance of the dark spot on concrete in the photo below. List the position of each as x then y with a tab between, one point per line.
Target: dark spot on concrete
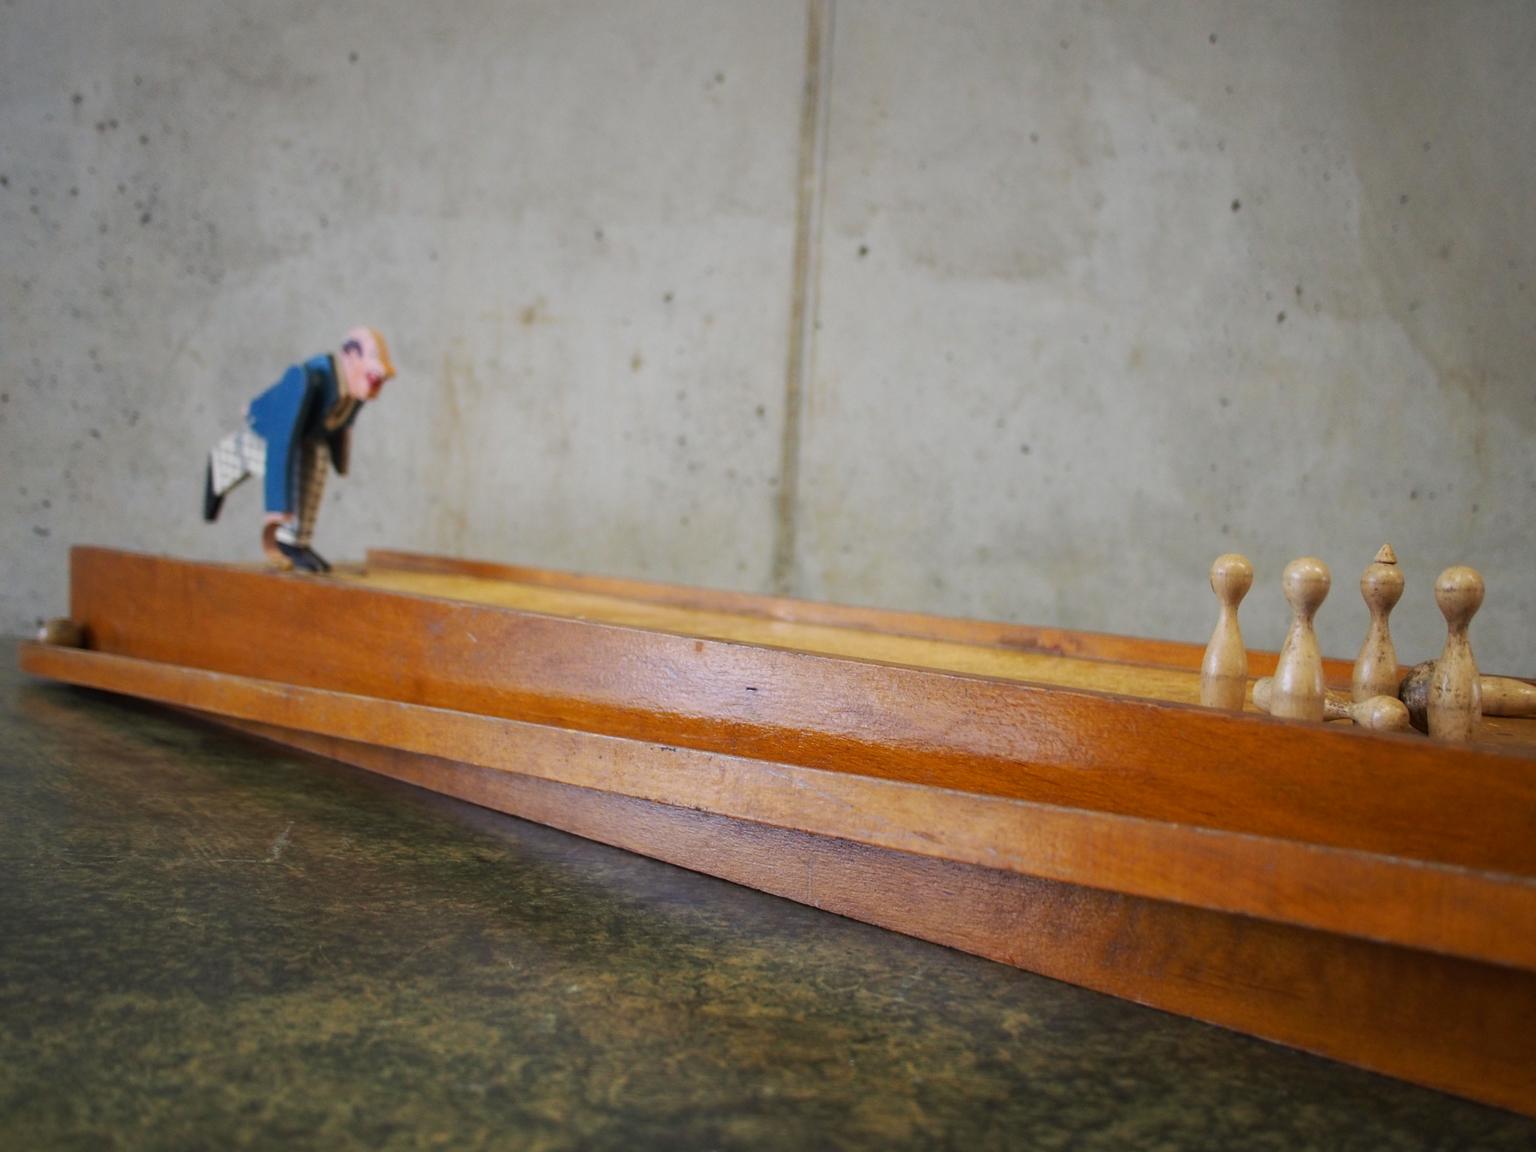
1224	401
39	530
5	397
1024	449
112	124
145	218
1237	205
1413	494
1475	506
761	412
863	251
1065	44
597	234
47	504
143	137
1213	37
682	441
5	181
719	77
95	434
1445	251
1225	530
74	190
77	99
34	210
351	57
1403	199
636	362
1280	319
1298	291
121	187
1034	137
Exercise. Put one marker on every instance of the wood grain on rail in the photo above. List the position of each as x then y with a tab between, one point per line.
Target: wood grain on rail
1399	795
1484	916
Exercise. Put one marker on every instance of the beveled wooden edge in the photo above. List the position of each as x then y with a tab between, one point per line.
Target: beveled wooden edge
1481	916
1438	1021
992	634
1395	795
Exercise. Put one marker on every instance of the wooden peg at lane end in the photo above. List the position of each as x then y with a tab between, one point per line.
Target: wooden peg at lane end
1381	587
63	632
1224	671
1298	681
1455	704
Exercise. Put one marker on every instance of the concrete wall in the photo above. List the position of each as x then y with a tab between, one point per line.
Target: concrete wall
1016	310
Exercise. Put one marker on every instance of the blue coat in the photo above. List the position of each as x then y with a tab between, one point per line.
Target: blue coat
291	412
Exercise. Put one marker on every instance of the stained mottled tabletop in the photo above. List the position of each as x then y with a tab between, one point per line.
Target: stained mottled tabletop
208	942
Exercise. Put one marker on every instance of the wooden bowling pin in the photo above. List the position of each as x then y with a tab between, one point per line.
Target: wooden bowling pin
1455	702
1224	671
1379	713
1298	692
1506	696
1502	695
1381	586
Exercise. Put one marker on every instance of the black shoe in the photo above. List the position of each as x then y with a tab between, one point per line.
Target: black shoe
304	559
301	558
212	501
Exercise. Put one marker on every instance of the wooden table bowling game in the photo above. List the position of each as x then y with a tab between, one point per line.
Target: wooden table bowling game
1048	799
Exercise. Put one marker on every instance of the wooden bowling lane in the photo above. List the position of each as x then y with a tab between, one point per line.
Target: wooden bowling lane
1170	684
1175	685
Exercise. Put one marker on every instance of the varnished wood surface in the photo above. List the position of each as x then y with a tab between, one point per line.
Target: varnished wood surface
1472	806
1158	671
1022	637
1447	1023
1484	916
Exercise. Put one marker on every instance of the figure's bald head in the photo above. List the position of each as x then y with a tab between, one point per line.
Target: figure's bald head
365	362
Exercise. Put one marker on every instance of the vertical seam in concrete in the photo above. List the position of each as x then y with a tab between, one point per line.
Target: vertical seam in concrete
800	360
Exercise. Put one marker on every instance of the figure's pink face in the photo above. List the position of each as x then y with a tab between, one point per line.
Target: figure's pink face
365	362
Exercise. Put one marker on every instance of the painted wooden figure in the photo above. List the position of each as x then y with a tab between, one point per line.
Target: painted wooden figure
296	430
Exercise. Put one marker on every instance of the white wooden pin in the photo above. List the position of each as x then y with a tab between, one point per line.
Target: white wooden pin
1455	690
1224	671
1379	713
1298	680
1381	586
